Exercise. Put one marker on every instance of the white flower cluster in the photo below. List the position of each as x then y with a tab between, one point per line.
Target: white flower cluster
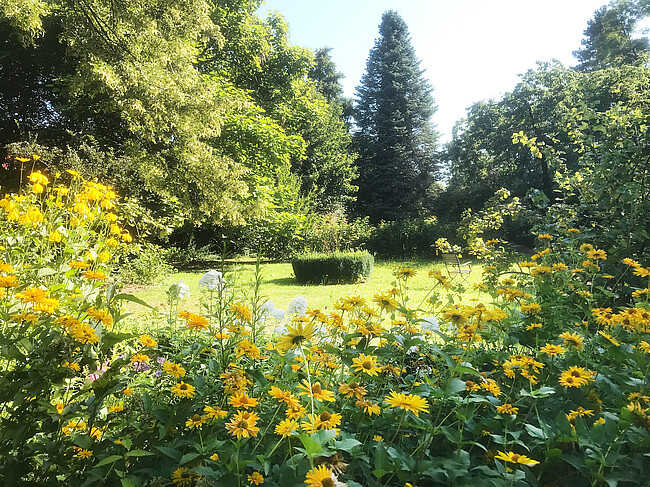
212	281
178	291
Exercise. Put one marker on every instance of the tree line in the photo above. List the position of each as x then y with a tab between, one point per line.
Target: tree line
205	116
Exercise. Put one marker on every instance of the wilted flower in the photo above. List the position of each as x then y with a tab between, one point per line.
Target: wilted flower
212	280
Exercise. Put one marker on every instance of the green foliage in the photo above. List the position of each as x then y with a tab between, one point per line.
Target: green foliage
144	264
608	41
333	232
332	268
395	139
400	239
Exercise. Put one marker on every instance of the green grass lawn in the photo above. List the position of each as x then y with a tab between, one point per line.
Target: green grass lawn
280	287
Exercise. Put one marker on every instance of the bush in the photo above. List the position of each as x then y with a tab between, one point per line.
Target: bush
333	232
334	268
144	264
404	238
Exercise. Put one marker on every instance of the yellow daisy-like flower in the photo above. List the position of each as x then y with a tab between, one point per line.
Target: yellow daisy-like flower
551	350
573	339
196	322
214	412
242	425
139	357
368	406
408	402
367	364
296	335
183	477
286	427
183	390
353	389
101	315
147	341
316	391
585	247
507	409
195	421
597	254
81	453
256	478
609	338
405	273
545	236
645	346
174	369
240	400
385	302
513	457
322	421
214	457
94	275
579	412
576	377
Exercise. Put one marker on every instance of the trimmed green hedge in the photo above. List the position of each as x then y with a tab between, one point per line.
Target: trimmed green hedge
334	268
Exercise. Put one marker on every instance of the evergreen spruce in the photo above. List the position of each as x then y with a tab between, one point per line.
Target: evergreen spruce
395	138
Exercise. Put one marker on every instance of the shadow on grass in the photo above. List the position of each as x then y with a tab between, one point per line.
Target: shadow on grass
283	281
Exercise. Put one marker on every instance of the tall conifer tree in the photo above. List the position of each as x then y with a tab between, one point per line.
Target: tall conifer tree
395	137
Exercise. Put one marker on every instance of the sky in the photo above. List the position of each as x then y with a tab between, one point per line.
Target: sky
471	50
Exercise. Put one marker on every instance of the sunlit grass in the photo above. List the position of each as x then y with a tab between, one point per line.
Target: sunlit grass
280	287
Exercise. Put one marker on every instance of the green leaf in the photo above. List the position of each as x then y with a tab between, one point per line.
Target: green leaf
170	452
127	482
138	453
188	457
347	444
133	299
109	460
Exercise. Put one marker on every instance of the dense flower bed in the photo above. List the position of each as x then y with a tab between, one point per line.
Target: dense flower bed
542	380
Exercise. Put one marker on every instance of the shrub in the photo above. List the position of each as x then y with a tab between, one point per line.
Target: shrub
334	268
333	232
404	238
144	264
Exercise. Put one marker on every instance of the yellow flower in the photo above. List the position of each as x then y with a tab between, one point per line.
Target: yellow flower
405	272
195	421
116	409
408	402
353	389
196	322
367	364
256	478
174	369
316	391
368	406
507	409
94	275
286	427
513	457
576	377
572	339
377	438
322	421
54	237
296	335
147	341
139	357
597	254
243	424
183	390
183	477
551	350
320	477
579	412
214	457
609	338
240	400
214	412
81	453
545	236
385	302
